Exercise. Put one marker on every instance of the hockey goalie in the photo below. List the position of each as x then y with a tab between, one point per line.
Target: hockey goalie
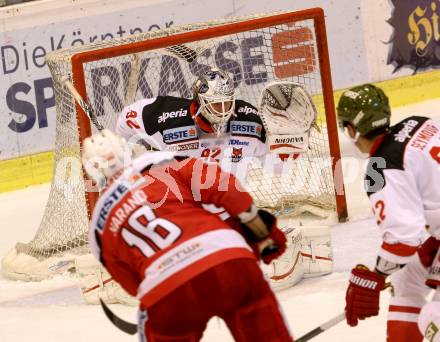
218	127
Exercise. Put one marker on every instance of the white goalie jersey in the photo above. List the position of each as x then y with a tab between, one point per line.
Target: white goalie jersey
166	123
280	128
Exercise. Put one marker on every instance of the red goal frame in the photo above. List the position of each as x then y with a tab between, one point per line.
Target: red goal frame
315	14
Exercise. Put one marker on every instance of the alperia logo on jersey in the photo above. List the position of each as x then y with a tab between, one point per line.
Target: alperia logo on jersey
176	114
179	134
247	110
403	134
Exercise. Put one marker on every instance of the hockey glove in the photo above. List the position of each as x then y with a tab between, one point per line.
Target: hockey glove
363	293
276	246
273	245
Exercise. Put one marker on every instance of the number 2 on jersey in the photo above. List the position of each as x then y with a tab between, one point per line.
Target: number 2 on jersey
380	205
154	233
211	153
131	123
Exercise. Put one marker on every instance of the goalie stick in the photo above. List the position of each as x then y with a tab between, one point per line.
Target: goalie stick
323	327
82	103
127	327
179	50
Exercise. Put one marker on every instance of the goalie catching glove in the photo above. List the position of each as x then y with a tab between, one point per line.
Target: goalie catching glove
363	293
266	240
288	113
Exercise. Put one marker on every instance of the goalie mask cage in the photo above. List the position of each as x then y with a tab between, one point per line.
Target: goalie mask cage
110	74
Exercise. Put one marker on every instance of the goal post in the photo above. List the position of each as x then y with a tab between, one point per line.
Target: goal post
255	50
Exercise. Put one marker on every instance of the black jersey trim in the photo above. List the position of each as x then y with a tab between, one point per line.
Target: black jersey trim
391	152
166	112
246	112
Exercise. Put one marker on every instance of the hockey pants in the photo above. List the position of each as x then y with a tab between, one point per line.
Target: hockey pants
410	294
234	291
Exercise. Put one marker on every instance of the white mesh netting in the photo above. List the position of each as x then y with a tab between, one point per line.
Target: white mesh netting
254	57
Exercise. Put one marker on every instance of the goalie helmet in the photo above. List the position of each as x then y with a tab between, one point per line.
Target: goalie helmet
103	155
215	94
366	107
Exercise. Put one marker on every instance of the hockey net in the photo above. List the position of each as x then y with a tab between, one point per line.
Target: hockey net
110	74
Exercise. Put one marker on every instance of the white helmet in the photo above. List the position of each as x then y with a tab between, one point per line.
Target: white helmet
214	91
103	155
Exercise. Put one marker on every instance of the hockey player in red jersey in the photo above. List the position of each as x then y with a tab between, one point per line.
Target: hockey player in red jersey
402	184
217	126
183	263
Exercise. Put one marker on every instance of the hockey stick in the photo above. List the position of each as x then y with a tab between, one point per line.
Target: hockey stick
132	329
82	103
183	51
127	327
323	327
133	79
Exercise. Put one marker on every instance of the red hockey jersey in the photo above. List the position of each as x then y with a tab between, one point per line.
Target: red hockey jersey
151	232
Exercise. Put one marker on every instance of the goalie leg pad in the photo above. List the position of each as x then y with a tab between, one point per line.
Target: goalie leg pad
309	254
316	251
287	270
95	282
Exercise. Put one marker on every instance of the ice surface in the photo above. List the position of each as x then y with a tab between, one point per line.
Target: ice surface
52	310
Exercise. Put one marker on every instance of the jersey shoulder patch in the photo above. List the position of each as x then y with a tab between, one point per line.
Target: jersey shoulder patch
391	151
167	112
244	110
247	121
392	148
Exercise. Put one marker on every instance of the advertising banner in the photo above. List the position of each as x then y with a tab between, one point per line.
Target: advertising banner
27	104
415	42
27	119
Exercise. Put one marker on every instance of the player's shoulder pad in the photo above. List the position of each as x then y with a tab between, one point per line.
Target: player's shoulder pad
166	112
130	119
391	151
392	148
247	121
244	111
